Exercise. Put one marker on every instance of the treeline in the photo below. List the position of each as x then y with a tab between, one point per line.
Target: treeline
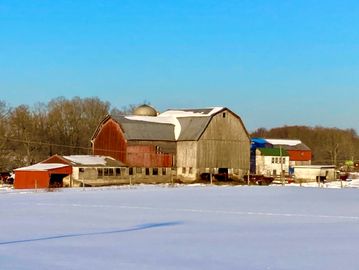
62	126
328	145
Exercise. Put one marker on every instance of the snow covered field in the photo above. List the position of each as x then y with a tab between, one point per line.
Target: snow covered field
186	227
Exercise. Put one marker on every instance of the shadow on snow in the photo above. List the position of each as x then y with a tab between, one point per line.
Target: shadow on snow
135	228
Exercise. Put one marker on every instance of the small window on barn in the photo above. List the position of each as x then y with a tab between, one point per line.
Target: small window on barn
155	171
183	169
105	172
99	173
130	171
272	160
276	160
110	172
118	171
81	170
164	171
283	160
147	171
190	170
224	115
138	170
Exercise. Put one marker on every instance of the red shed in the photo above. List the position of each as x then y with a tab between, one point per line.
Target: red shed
41	175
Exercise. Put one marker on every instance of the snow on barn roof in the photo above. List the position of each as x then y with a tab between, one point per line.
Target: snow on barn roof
91	160
283	142
289	144
188	119
42	167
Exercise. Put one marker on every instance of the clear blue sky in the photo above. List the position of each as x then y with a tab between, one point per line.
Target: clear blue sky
272	62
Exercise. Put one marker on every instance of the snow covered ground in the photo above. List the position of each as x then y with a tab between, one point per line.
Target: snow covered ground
185	227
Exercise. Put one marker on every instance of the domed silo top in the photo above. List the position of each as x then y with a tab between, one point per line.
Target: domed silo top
145	110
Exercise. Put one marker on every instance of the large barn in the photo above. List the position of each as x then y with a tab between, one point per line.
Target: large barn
192	142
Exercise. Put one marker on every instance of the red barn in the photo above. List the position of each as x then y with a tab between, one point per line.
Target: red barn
41	175
136	141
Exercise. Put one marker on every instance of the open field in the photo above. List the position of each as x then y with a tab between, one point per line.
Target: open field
184	227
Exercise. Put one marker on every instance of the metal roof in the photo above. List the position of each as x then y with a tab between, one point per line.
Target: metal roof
192	127
172	125
146	130
273	152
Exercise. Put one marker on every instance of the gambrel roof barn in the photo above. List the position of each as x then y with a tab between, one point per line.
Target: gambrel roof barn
192	141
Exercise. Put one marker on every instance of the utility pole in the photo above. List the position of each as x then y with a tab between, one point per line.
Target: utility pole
281	165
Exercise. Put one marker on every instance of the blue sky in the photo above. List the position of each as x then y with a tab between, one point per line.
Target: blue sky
272	62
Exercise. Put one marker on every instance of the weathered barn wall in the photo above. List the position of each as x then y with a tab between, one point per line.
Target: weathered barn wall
147	156
186	160
224	144
110	141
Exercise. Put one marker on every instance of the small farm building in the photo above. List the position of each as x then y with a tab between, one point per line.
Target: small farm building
315	172
91	170
41	175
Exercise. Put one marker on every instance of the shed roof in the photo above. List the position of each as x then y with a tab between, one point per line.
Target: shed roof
42	167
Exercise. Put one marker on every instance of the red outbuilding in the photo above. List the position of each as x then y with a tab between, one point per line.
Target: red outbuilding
41	175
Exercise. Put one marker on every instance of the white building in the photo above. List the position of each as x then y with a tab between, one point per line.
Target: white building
272	161
315	172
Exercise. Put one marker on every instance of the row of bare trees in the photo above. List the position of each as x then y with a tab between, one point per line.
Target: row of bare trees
328	145
62	126
65	126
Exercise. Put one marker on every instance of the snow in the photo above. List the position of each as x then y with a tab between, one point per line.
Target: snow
188	113
42	167
87	159
184	227
283	142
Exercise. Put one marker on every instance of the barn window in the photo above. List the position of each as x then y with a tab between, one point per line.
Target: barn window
81	170
110	172
164	172
130	171
183	169
272	160
147	171
118	171
224	115
190	170
155	171
99	172
105	172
